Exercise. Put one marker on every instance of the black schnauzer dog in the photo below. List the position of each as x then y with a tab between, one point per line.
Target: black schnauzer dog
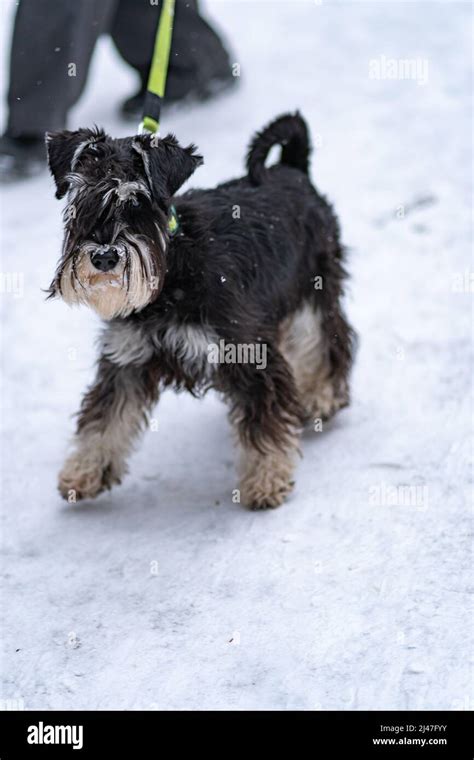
236	288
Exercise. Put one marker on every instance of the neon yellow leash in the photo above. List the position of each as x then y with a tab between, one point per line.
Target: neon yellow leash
158	70
156	87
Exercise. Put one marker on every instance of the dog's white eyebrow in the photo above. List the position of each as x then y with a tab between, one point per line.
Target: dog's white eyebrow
126	189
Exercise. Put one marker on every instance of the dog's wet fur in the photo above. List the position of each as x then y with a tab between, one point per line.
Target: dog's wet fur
255	261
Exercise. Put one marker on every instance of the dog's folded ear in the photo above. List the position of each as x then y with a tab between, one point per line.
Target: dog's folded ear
166	163
63	150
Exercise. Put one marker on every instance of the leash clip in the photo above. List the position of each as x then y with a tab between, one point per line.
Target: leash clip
143	130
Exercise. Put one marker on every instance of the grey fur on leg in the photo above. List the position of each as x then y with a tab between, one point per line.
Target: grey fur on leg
113	413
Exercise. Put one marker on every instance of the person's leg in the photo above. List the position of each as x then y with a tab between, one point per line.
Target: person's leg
199	61
133	31
51	50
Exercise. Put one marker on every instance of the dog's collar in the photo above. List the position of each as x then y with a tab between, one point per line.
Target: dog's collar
173	223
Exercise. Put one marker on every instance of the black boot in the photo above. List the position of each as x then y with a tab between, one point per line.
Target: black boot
21	157
132	107
199	66
180	87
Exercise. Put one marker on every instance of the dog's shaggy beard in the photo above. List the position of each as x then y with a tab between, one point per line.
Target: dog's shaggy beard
134	282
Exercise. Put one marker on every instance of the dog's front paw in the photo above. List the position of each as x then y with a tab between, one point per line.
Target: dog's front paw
84	477
269	497
266	481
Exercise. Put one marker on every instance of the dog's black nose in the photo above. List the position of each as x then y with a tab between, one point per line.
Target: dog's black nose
105	261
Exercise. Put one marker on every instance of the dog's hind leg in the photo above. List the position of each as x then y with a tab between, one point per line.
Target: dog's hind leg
318	349
112	414
268	419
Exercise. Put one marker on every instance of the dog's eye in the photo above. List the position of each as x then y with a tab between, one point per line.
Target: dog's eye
135	203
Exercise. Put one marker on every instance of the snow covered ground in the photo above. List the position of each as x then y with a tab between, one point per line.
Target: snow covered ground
357	593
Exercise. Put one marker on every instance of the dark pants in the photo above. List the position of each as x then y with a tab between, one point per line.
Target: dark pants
53	42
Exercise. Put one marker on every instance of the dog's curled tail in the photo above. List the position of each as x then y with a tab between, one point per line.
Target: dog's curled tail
291	132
